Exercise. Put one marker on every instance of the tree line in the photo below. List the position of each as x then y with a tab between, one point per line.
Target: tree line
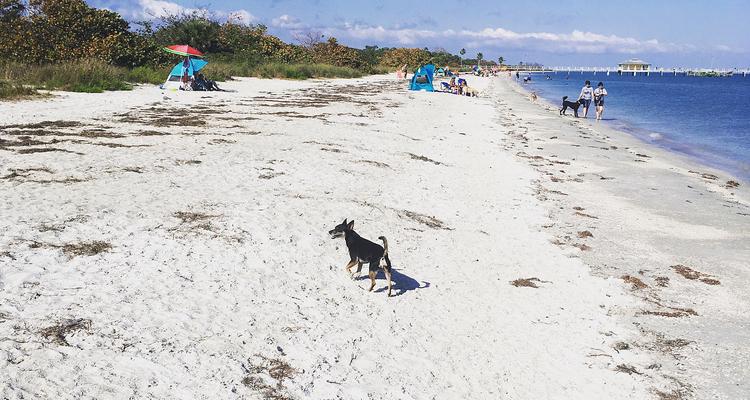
55	31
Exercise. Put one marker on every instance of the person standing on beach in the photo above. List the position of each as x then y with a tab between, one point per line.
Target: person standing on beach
599	94
587	93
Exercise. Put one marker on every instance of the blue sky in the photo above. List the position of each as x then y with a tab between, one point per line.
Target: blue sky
563	32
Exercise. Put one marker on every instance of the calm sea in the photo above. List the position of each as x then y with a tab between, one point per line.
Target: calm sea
704	118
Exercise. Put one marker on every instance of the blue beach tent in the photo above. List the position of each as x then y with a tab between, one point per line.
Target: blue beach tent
422	78
189	65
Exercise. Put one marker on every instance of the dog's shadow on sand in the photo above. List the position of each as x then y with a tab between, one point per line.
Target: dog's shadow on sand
402	283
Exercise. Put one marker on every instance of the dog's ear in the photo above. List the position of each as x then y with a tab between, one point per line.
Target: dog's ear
351	225
344	223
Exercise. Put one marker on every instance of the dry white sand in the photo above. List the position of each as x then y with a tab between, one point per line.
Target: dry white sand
175	246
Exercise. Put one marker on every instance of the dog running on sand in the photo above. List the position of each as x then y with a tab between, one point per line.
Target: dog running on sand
363	251
570	104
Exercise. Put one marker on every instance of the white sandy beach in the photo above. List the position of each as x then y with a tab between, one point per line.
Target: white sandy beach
174	246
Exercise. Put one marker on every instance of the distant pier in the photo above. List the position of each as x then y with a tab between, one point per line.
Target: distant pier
656	71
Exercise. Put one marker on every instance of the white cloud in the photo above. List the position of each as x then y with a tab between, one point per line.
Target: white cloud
573	42
287	22
159	8
576	42
154	9
241	17
401	36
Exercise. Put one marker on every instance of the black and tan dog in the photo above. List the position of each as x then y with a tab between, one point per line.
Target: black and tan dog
363	251
570	104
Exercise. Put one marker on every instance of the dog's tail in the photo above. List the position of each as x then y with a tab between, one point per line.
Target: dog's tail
385	254
385	245
565	98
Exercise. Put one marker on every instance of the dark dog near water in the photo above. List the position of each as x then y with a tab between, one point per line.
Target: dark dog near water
363	251
570	104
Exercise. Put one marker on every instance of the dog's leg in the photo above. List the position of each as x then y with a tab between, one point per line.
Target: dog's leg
387	268
388	278
372	279
350	265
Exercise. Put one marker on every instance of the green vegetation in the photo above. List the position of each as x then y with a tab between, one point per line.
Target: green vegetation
146	74
91	76
69	45
12	91
305	71
225	70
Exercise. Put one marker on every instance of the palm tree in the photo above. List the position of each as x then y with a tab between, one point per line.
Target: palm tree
480	56
500	60
462	52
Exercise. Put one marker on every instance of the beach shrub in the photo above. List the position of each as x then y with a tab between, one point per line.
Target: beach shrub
51	31
222	71
196	28
395	58
11	91
81	76
241	42
10	9
146	74
61	30
128	50
92	76
441	57
371	55
332	53
225	70
305	71
13	28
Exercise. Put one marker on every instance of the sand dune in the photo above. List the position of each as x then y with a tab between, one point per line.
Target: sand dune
175	246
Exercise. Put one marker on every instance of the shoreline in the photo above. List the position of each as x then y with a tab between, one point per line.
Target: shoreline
705	160
648	222
177	243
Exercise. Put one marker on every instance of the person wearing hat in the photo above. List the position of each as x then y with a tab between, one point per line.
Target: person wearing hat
599	94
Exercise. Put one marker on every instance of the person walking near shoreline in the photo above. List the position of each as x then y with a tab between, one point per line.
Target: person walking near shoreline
587	93
599	93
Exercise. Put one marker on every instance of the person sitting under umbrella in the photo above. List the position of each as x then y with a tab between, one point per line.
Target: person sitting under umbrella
201	83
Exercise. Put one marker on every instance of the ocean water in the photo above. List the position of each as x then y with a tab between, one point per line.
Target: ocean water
704	118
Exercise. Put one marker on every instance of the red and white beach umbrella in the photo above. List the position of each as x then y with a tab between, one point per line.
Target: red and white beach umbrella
183	50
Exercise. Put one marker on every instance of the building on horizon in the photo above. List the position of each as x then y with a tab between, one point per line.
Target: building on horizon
633	65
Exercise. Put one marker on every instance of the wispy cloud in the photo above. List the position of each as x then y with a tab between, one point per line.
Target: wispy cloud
400	36
573	42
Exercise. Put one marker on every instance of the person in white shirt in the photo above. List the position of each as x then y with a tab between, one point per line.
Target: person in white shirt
587	93
599	94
